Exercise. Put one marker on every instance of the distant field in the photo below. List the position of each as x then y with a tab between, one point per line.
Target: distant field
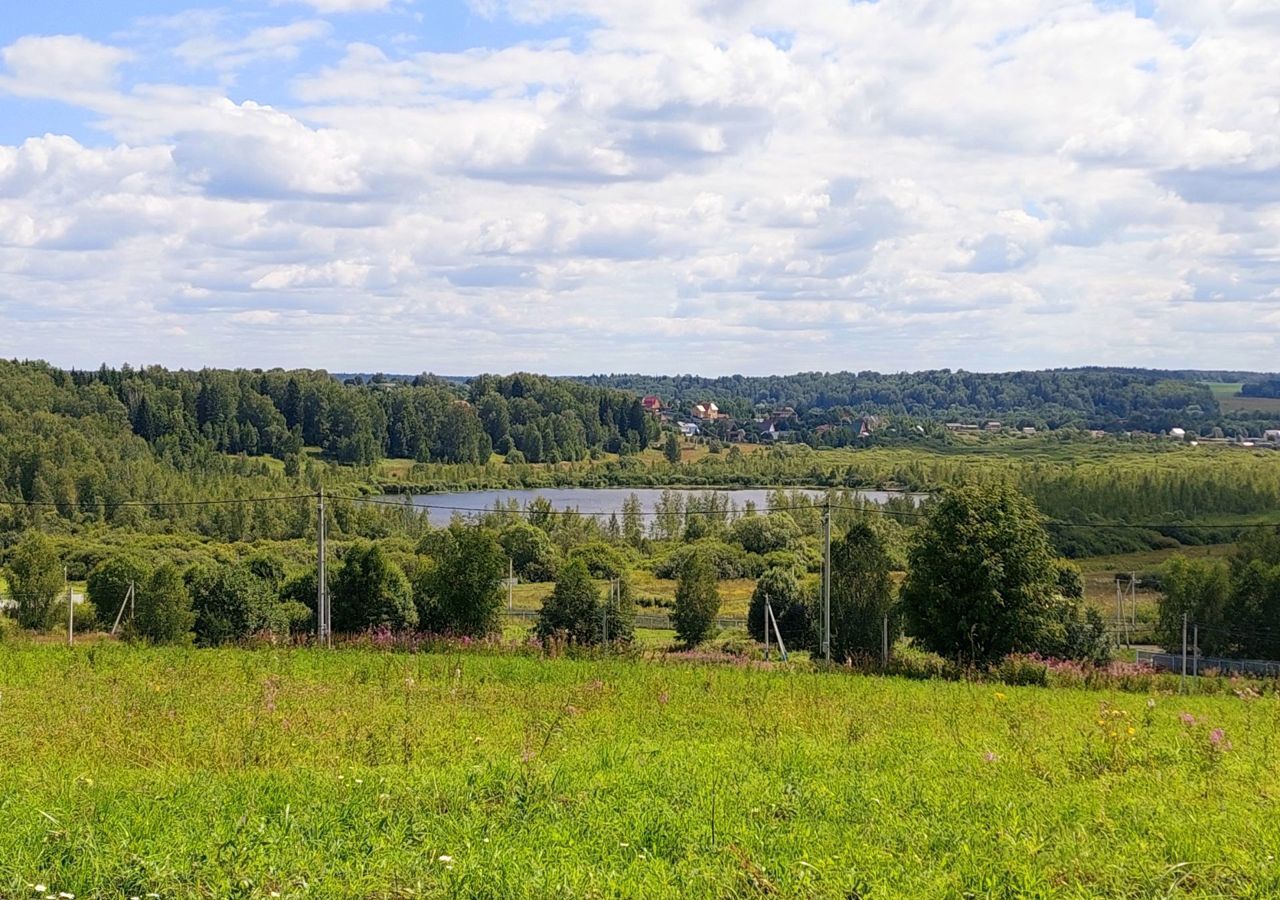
1228	396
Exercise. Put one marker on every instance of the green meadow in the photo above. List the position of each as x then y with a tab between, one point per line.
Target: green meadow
371	774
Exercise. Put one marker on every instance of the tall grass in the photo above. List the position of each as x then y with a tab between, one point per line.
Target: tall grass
356	773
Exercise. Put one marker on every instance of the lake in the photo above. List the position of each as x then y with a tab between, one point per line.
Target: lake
595	501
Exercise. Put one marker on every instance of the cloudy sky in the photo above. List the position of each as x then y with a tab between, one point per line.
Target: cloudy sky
641	185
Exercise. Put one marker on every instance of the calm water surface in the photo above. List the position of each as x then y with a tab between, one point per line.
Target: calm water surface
593	501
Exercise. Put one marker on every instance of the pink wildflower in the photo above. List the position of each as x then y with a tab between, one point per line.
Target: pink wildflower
990	757
1187	719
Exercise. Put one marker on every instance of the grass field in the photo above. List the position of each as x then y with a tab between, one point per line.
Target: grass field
246	774
1228	397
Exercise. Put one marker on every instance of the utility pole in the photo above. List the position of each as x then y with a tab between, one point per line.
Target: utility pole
511	580
826	582
884	641
322	593
1195	649
127	601
71	634
766	626
1183	683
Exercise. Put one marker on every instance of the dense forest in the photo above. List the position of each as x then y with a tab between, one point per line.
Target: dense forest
1094	398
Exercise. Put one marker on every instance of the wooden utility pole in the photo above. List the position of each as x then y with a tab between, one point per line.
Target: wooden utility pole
71	633
826	582
322	593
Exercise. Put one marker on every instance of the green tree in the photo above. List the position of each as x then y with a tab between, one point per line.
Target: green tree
36	579
573	608
1200	589
164	613
530	550
620	611
231	604
697	600
861	596
462	592
108	585
371	591
671	448
982	580
787	598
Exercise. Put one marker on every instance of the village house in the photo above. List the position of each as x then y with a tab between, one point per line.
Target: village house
707	412
652	404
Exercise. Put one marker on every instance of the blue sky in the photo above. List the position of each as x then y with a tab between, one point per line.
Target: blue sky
670	185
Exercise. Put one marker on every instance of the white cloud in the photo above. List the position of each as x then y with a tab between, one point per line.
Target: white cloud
277	42
66	66
678	184
326	7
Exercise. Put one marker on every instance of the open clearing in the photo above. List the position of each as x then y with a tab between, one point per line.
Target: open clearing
354	773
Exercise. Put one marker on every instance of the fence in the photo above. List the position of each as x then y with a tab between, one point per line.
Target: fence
661	623
1197	665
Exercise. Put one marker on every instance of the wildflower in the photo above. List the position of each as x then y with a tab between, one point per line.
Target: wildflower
1131	731
1215	737
999	695
990	757
1151	703
64	895
663	698
1187	719
40	888
445	858
1113	734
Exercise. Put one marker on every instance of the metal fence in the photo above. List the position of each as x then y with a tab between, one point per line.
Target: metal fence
1198	665
642	620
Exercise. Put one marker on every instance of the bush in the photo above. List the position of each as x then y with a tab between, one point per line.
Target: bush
602	560
861	597
790	606
697	601
1019	669
370	591
231	604
573	609
531	552
108	585
764	534
461	593
164	614
36	579
726	561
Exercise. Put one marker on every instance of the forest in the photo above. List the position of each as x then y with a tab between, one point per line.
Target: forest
1089	398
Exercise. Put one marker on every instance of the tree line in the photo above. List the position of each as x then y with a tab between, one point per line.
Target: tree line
1088	398
981	582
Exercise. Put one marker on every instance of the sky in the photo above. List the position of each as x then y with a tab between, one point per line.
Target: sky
574	186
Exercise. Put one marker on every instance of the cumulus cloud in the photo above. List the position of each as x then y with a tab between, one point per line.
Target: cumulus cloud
63	66
671	184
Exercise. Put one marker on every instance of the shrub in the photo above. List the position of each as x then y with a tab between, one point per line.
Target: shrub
697	601
531	552
1017	668
461	593
573	609
790	606
861	596
371	591
164	614
36	579
108	585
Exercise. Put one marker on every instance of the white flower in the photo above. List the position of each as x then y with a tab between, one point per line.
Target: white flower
444	858
40	888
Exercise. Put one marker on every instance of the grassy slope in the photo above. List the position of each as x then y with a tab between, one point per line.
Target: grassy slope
353	774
